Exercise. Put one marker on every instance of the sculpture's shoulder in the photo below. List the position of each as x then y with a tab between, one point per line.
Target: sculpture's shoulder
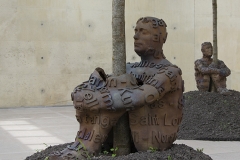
222	65
199	62
220	62
171	68
129	66
173	72
152	68
174	77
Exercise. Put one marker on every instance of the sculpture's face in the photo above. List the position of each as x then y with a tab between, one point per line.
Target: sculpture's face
143	38
207	50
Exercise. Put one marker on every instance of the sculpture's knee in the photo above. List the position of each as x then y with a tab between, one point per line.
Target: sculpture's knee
219	81
203	84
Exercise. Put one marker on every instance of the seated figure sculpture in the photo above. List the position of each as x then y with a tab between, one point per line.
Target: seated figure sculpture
151	92
207	72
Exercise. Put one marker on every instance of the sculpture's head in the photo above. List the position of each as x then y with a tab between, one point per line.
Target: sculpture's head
207	49
150	34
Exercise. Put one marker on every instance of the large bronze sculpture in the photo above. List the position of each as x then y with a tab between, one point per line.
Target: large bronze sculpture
206	72
151	92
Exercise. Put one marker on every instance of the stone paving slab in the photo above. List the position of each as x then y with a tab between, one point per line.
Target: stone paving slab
217	150
24	131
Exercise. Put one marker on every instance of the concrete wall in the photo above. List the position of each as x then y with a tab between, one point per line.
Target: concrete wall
47	47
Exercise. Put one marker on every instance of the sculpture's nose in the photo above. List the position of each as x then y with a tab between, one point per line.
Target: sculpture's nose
136	36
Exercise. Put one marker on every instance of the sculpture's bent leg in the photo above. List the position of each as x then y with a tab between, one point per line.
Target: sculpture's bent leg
203	83
220	84
93	131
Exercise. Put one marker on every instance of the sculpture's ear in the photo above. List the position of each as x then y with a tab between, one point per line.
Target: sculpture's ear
165	38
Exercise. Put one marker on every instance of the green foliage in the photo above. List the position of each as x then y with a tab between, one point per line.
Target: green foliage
223	125
84	148
39	150
114	151
188	97
169	157
46	158
152	150
200	149
105	152
46	145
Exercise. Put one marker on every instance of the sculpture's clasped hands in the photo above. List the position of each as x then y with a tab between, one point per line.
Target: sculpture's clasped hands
112	93
213	68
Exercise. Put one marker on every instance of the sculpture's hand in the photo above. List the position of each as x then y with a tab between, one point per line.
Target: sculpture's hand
96	80
215	70
213	65
101	73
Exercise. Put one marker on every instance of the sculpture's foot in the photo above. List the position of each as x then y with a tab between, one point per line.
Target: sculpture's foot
224	91
73	152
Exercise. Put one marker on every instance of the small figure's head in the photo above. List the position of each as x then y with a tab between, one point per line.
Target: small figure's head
207	49
150	34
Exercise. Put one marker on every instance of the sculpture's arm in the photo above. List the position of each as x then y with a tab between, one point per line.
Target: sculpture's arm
205	70
224	70
122	92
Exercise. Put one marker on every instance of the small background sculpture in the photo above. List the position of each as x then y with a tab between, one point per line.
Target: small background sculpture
208	73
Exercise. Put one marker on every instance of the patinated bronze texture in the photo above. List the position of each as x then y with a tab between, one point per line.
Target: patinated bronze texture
207	72
151	92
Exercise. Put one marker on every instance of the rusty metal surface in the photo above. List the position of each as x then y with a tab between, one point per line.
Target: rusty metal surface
151	92
207	72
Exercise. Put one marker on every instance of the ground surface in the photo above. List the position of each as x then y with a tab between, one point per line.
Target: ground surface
177	152
207	116
211	116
